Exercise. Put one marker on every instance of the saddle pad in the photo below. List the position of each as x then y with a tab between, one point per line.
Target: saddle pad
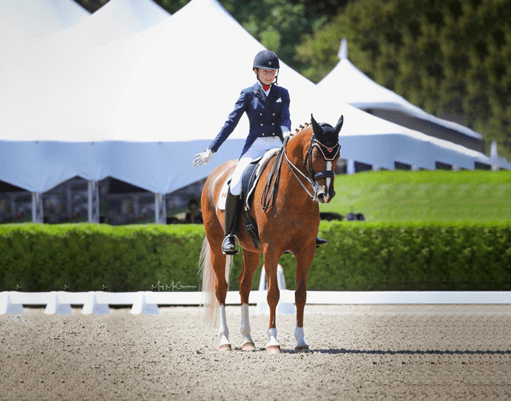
223	195
250	178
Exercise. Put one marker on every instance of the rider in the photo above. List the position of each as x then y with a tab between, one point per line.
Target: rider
267	108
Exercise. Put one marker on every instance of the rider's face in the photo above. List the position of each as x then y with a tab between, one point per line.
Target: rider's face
266	76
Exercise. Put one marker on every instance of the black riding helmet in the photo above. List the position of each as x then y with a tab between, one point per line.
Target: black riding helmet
267	59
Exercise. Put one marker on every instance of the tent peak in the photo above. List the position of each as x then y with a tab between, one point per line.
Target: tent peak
343	50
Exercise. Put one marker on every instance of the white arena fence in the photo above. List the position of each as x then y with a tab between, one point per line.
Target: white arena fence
147	302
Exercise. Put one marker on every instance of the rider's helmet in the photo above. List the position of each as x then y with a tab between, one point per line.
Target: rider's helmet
266	59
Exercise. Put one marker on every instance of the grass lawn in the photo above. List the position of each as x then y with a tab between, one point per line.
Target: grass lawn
424	195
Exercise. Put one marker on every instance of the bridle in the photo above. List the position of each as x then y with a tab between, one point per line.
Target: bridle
329	153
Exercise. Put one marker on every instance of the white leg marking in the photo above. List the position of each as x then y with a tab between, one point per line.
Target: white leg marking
224	331
245	325
272	337
300	340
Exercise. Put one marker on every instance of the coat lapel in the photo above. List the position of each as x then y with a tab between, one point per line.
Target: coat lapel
259	92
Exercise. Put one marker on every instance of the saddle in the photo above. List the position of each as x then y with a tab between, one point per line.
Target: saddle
249	182
251	176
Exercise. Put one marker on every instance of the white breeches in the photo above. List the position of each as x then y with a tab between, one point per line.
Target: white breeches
258	149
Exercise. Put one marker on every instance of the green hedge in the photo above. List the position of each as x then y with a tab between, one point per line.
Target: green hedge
86	257
414	256
361	256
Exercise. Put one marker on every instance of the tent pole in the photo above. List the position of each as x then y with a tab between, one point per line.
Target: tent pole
93	202
160	209
350	166
37	208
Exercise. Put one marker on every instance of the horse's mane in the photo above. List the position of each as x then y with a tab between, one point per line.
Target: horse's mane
301	127
329	137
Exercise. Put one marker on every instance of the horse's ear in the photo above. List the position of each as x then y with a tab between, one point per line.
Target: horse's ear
315	126
339	125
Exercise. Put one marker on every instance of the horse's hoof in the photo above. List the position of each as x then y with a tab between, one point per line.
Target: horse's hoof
225	347
273	349
248	347
303	348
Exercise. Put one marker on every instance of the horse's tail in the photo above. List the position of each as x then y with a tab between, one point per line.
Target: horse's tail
209	301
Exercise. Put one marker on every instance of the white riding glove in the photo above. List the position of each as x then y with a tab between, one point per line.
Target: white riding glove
203	158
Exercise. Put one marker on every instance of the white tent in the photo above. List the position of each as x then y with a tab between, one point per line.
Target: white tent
38	18
116	20
349	85
138	109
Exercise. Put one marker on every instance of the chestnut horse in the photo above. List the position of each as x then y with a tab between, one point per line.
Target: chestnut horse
285	209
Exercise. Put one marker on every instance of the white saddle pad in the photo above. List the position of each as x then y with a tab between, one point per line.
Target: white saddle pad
225	188
223	195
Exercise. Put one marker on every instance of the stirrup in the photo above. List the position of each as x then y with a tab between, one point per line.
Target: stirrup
320	242
229	245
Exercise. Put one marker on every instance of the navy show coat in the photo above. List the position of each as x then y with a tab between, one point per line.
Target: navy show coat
268	115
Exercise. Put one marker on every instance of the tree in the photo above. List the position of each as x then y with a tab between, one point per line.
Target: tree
277	24
92	5
450	57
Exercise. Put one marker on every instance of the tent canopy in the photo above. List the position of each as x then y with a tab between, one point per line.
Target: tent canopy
38	18
116	20
349	85
138	109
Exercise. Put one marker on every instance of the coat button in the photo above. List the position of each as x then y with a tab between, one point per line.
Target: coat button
263	134
273	113
261	125
272	123
262	114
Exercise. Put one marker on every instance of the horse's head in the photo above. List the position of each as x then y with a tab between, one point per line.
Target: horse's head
322	156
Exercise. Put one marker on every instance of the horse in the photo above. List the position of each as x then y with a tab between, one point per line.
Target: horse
284	208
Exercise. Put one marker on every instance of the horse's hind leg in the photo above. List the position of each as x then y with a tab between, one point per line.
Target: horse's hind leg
250	264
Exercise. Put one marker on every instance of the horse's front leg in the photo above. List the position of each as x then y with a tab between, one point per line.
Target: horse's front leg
303	262
220	264
270	265
250	263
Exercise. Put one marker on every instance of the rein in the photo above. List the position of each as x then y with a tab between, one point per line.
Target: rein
313	183
270	193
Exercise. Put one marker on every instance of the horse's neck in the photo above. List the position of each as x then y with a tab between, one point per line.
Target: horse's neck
294	190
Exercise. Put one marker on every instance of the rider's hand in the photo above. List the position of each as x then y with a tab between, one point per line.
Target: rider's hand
203	157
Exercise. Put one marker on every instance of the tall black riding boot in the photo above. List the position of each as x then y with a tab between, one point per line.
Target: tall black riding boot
232	212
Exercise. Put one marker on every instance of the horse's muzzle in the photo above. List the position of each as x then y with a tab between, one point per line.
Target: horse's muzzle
324	196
